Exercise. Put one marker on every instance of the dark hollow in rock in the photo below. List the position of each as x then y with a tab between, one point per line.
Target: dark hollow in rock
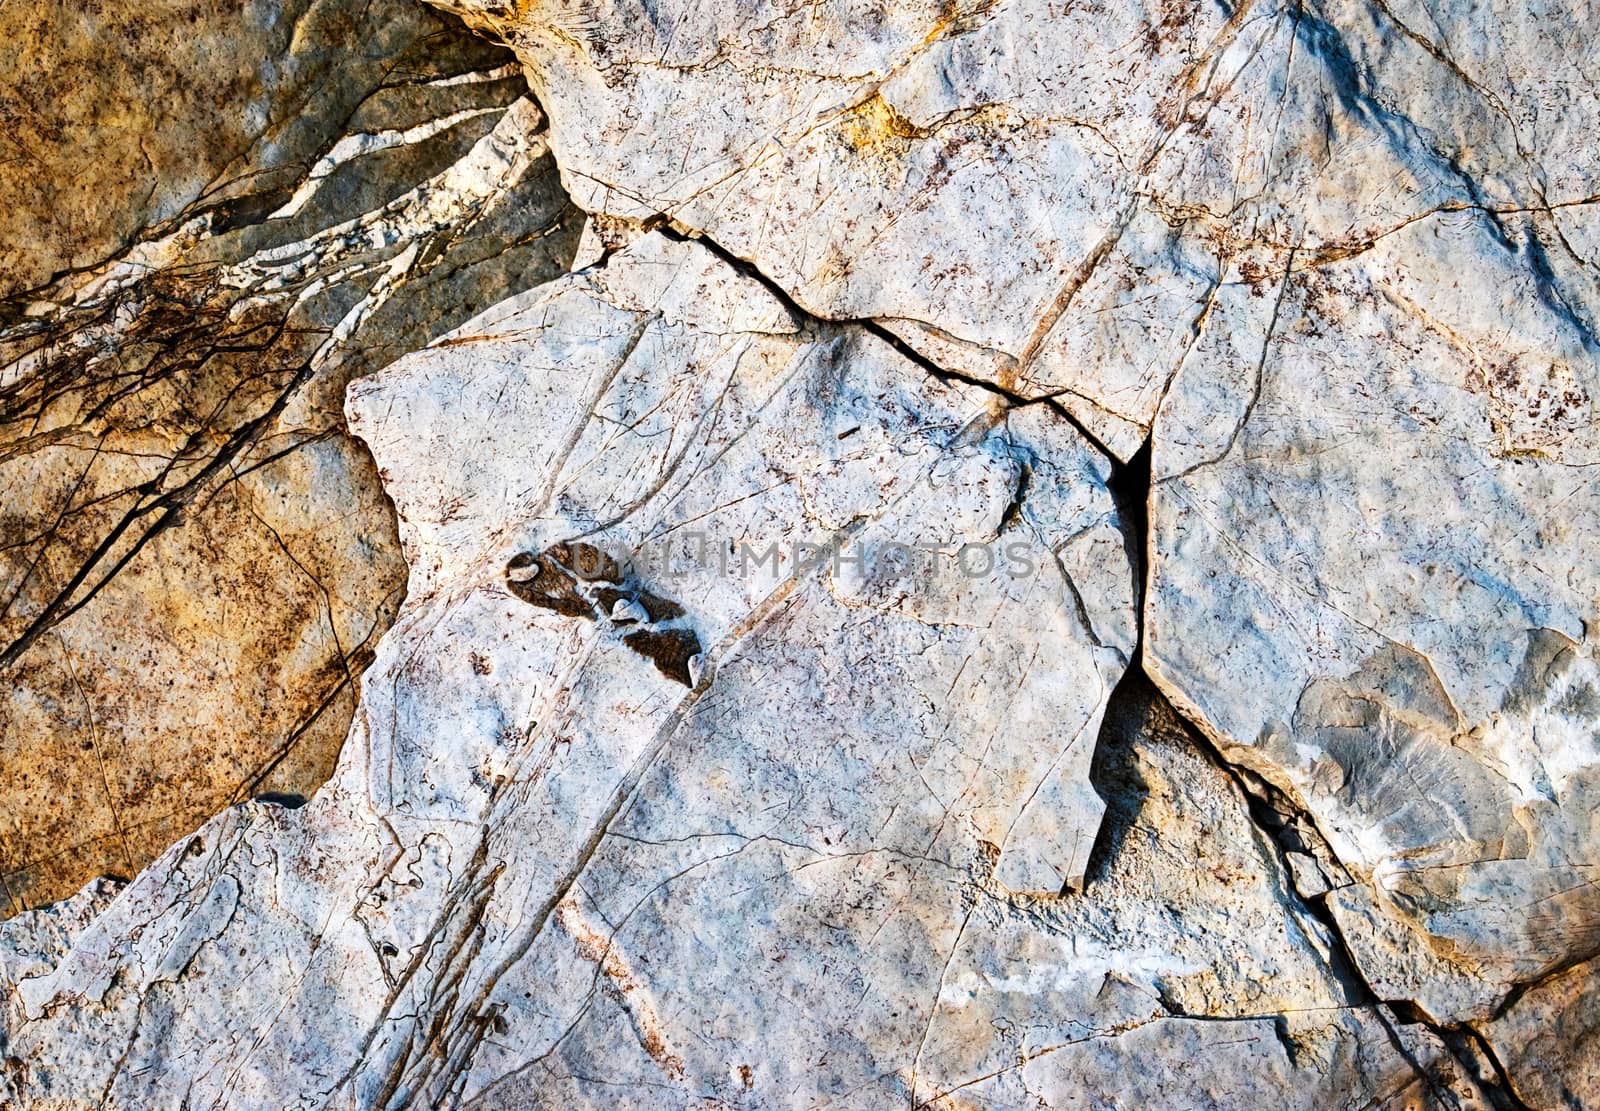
669	649
576	579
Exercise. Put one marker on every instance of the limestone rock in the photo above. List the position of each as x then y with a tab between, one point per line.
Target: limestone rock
118	117
826	869
199	558
1547	1041
965	173
1371	584
1346	250
767	719
1044	197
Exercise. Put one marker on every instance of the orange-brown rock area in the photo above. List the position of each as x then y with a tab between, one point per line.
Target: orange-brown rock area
200	251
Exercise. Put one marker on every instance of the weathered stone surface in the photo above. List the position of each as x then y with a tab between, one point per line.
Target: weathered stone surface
580	881
657	394
965	173
198	557
116	117
1363	233
626	819
1046	197
1547	1040
1371	521
1346	249
1372	583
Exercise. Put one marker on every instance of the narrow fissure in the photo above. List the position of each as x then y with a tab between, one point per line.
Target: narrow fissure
1281	822
1121	789
1012	399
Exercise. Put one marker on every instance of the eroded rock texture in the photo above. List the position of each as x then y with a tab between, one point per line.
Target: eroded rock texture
540	851
1040	556
198	558
1391	531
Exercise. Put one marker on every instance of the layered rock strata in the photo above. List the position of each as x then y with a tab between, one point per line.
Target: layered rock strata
198	557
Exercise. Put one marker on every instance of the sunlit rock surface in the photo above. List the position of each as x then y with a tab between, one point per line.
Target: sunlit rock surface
1373	583
826	863
119	116
1041	556
198	559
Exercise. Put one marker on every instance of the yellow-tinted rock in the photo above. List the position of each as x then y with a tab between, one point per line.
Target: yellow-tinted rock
197	558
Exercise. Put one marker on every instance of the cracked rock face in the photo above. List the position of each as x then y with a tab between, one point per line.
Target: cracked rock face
1422	608
958	555
198	558
114	125
948	169
539	849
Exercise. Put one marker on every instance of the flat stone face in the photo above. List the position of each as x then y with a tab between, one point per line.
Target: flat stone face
1547	1040
1345	229
199	559
1047	196
824	863
1372	582
959	172
878	731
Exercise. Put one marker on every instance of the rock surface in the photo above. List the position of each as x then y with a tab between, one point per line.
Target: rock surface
199	558
956	171
1390	533
121	116
823	870
774	716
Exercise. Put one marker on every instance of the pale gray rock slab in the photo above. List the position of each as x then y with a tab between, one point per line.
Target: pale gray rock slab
1339	1059
1371	527
549	873
1047	198
677	835
1370	521
1332	244
1548	1040
959	173
40	938
1307	874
